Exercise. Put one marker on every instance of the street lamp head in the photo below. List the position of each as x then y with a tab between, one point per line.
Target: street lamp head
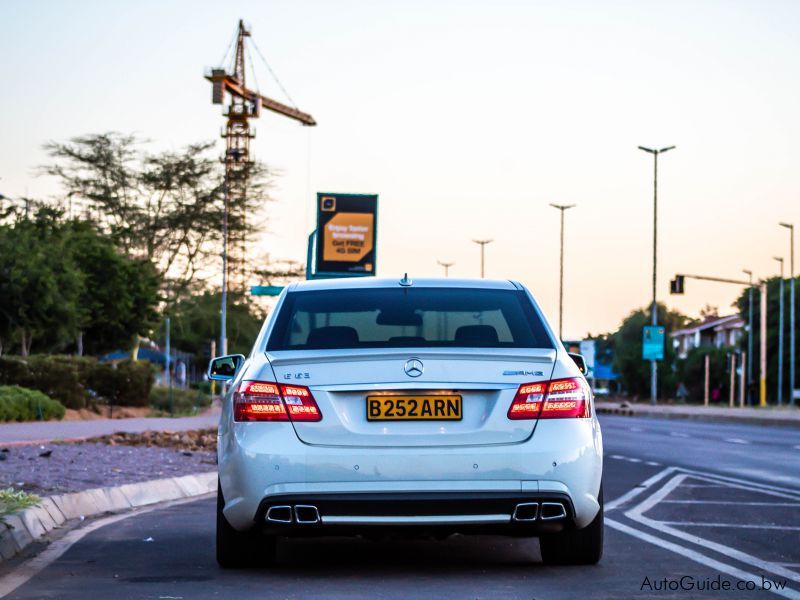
668	148
787	225
483	241
778	258
650	150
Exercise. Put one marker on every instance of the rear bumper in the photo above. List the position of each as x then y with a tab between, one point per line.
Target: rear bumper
506	513
264	464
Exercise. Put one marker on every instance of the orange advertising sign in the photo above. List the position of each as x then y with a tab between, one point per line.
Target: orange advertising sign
348	237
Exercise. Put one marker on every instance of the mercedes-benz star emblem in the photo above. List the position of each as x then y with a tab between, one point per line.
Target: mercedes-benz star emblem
414	367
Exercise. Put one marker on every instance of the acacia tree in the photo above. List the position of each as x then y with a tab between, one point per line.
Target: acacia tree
166	207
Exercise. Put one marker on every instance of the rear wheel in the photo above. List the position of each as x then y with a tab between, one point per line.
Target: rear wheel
237	549
575	546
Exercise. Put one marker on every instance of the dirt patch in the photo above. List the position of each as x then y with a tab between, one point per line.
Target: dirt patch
203	440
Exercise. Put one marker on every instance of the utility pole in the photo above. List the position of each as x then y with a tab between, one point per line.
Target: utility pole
654	320
167	360
482	244
780	334
790	227
223	312
762	383
562	208
446	266
749	338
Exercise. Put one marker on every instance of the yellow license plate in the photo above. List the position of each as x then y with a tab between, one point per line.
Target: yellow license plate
433	407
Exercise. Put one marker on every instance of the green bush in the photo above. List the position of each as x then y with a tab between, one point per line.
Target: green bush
22	404
184	401
80	381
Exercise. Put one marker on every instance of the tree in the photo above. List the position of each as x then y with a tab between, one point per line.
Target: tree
119	294
39	284
166	207
773	320
65	285
627	343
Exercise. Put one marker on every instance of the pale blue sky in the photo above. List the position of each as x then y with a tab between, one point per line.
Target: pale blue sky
467	118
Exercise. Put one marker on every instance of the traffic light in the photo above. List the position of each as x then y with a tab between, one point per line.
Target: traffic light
676	285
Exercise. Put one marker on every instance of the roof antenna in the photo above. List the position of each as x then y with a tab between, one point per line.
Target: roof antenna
405	281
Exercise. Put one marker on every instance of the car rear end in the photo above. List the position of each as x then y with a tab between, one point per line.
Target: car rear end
442	406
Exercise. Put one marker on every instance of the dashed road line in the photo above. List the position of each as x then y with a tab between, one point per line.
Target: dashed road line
651	463
736	441
639	489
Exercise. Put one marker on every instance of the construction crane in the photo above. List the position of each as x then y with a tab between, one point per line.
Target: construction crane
245	104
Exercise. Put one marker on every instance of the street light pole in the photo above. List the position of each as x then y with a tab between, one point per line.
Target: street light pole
482	244
780	335
446	266
223	313
654	309
749	338
790	227
562	208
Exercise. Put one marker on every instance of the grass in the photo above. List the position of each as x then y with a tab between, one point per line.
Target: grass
11	501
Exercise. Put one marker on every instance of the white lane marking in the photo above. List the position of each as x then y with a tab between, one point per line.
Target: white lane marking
637	514
678	434
46	557
698	557
617	457
652	463
743	483
639	489
703	485
736	525
732	502
736	441
634	460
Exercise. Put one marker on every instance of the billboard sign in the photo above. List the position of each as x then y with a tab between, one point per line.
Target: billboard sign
653	342
346	235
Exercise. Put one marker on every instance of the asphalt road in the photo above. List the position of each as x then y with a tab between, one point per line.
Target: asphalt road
709	503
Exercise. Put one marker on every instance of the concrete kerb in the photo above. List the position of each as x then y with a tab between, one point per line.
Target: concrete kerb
22	528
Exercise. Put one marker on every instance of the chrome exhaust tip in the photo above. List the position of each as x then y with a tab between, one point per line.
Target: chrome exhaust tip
306	514
526	511
279	514
552	511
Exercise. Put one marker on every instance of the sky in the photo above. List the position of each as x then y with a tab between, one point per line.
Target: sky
468	119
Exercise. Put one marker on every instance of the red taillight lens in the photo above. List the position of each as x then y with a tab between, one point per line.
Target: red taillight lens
527	403
300	403
557	399
264	401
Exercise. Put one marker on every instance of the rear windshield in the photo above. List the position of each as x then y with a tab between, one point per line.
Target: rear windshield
410	317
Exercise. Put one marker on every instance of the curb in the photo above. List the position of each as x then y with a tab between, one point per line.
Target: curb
20	529
770	421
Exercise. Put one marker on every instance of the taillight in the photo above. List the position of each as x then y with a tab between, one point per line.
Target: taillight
557	399
264	401
300	403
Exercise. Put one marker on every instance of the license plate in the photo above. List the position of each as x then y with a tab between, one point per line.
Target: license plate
434	407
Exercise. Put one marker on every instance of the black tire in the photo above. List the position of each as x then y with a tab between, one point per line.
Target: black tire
239	550
575	546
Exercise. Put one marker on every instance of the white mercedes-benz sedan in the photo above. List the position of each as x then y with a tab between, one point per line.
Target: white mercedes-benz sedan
395	407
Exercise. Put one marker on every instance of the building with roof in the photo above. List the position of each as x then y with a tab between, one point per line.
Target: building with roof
712	332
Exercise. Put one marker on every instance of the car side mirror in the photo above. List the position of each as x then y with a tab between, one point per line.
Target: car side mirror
580	361
224	368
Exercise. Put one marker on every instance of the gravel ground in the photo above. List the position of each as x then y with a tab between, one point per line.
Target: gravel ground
81	466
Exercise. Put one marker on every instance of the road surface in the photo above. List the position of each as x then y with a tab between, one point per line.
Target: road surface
688	504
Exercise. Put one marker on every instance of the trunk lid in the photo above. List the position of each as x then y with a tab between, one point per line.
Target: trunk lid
486	379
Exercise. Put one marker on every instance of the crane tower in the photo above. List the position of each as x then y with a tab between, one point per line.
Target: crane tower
244	104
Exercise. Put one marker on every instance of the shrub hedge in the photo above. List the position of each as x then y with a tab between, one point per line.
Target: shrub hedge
21	404
183	400
80	381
